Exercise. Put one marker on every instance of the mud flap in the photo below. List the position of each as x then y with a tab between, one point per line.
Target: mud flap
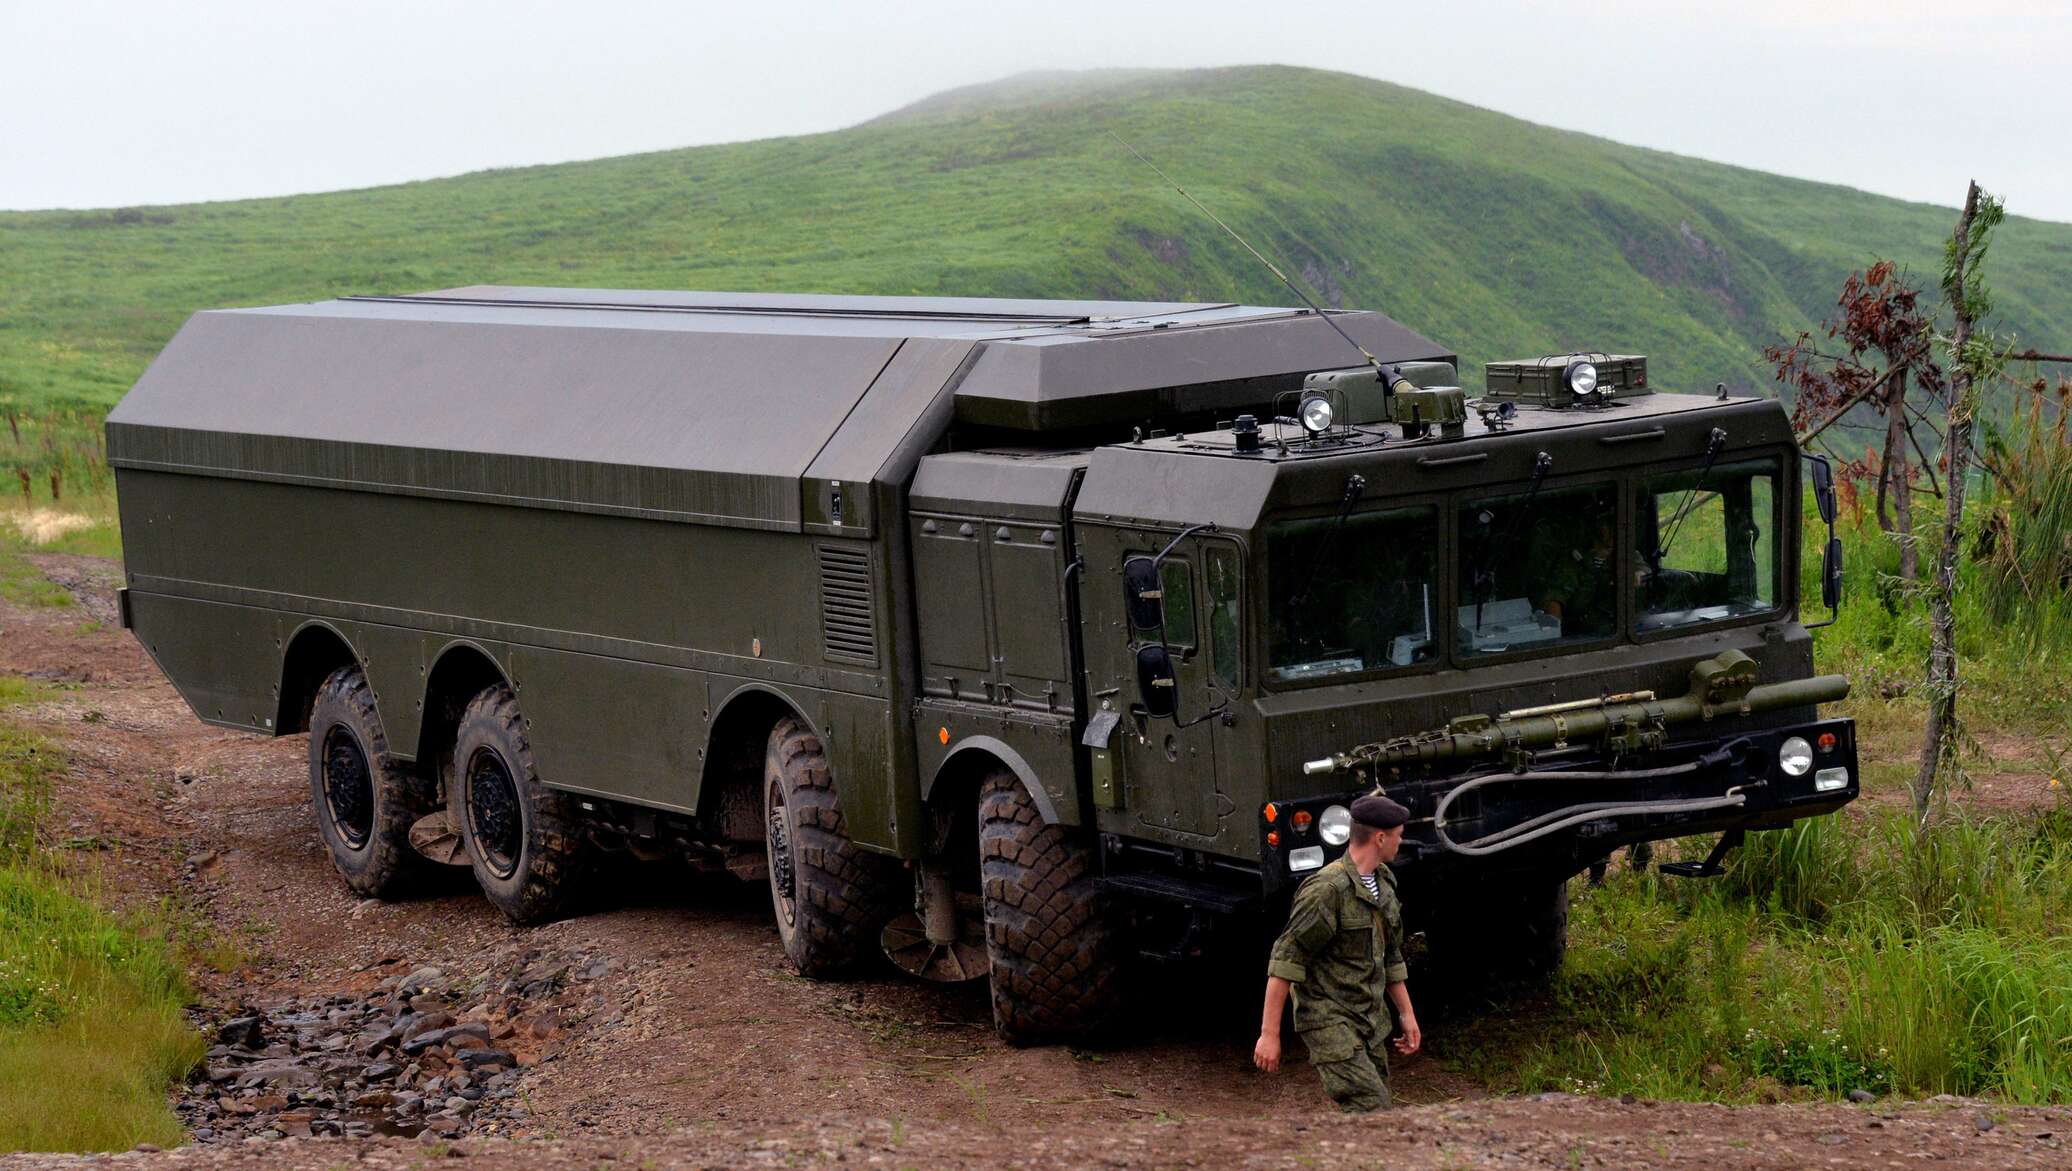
435	838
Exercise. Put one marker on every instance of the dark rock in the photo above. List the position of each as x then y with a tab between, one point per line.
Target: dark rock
381	1071
1861	1095
452	1036
245	1032
1985	1123
485	1059
426	979
280	1073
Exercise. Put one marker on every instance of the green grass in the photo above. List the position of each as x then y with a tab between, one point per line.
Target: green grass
92	1029
1839	955
1495	236
92	1036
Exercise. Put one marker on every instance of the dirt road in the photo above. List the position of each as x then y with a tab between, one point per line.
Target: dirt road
664	1027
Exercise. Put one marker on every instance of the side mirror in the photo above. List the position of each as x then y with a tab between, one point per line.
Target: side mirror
1831	554
1824	488
1157	688
1143	592
1831	574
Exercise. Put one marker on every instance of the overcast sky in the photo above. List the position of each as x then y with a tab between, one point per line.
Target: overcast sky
109	102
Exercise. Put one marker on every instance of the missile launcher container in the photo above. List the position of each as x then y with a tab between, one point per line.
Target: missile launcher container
1017	640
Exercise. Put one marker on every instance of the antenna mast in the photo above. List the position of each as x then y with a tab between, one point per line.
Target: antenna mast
1314	307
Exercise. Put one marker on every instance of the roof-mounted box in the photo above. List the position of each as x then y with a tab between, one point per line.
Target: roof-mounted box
1569	380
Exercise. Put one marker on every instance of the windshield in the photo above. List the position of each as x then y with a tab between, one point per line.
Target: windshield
1351	594
1707	545
1538	568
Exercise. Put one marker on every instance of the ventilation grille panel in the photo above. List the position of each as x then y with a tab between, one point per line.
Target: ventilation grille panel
848	630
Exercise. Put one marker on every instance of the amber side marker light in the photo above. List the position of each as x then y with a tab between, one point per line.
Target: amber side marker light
1301	821
1827	741
1272	813
1273	837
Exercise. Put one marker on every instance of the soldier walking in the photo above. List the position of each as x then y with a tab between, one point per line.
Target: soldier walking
1342	947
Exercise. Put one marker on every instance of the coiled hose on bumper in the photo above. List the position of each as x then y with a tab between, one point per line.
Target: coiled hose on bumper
1532	829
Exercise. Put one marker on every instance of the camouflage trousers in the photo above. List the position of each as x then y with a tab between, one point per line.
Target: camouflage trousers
1354	1068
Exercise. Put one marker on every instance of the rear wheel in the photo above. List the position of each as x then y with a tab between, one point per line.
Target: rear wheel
524	840
364	801
1049	938
831	896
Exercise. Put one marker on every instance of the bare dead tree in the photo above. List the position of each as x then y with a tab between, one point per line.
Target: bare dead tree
1975	360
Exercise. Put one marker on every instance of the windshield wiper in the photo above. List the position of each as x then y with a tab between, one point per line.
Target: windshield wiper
1355	487
1481	576
1714	444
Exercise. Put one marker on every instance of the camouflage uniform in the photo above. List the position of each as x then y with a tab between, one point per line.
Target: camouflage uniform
1341	950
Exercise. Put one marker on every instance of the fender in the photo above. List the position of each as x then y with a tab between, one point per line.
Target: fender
962	752
290	647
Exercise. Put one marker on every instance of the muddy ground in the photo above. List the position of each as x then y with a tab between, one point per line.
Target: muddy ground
664	1027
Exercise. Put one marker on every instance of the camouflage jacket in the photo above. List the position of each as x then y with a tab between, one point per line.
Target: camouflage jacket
1341	949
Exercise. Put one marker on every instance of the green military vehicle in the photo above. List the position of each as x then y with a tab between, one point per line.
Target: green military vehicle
1011	638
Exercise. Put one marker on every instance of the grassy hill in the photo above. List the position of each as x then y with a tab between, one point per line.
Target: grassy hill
1498	236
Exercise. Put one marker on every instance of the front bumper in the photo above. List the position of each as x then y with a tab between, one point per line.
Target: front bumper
1746	764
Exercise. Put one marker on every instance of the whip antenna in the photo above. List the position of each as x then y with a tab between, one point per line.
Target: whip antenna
1314	307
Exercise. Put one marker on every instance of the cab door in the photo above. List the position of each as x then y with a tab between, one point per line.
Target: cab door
1163	765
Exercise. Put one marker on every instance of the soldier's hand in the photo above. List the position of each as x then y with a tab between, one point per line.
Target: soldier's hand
1412	1036
1267	1053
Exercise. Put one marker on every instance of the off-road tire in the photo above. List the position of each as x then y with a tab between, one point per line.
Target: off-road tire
1056	974
831	897
364	801
1507	942
526	843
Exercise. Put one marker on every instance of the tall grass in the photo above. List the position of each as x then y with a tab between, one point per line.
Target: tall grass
1898	960
92	1033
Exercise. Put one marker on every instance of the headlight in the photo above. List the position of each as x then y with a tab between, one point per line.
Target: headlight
1306	858
1336	825
1581	378
1315	414
1795	756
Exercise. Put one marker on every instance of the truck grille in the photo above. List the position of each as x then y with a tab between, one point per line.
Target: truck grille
848	630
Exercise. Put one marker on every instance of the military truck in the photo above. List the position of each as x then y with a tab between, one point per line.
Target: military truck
1011	639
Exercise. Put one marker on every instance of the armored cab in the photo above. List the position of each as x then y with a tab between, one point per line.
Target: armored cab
1009	638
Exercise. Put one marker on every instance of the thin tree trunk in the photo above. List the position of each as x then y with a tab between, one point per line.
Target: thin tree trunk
1900	476
1938	745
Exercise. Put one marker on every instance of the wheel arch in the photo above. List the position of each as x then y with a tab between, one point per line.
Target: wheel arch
736	739
967	763
313	652
460	670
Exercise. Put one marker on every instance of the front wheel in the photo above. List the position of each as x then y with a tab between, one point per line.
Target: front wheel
1050	940
1511	939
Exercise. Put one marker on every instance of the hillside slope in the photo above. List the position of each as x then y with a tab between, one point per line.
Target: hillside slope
1498	236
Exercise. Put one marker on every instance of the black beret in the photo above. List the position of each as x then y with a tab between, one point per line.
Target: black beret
1379	812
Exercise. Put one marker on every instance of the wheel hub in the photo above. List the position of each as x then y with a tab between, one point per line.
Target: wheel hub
495	821
783	874
348	787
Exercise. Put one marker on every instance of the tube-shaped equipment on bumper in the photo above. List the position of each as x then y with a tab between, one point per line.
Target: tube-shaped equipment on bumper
1720	686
